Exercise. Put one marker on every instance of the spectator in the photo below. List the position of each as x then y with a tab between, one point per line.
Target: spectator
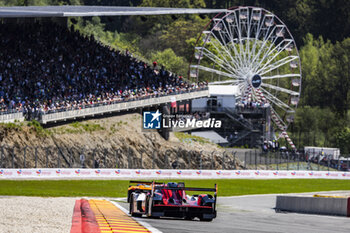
47	68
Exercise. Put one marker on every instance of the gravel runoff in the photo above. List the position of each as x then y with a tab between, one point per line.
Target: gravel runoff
36	214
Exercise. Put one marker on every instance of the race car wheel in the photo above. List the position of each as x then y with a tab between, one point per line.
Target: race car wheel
205	219
131	208
131	204
189	218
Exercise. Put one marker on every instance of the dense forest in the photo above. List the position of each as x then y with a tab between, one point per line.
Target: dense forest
321	29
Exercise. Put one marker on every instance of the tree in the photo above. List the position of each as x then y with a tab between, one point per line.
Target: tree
177	34
170	61
343	140
340	74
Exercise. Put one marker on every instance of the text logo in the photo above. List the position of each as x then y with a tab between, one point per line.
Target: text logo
152	120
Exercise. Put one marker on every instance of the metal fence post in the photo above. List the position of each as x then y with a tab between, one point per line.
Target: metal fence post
318	162
93	158
276	159
58	159
250	157
24	156
223	160
298	160
287	161
200	160
166	160
141	160
71	158
234	160
177	160
245	160
212	166
129	159
266	160
256	162
105	158
47	157
2	156
328	162
347	163
153	157
13	157
116	159
36	156
256	154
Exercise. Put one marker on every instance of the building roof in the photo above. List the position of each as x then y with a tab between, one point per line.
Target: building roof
218	90
67	11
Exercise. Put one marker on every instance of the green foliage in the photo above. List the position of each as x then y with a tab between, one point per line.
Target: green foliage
38	129
170	61
12	126
87	127
343	140
119	41
326	74
179	33
188	138
294	166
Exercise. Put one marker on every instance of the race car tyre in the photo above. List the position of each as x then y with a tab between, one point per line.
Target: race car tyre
131	204
131	208
189	218
205	219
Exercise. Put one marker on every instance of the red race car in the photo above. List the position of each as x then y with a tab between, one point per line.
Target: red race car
156	199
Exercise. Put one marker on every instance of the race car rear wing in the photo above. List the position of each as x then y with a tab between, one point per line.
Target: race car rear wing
144	182
189	189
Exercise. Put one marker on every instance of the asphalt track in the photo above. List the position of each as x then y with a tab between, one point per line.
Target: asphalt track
251	214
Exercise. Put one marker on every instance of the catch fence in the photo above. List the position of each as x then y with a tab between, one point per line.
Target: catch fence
130	158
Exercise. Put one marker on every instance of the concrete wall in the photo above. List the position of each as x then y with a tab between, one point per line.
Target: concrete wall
313	205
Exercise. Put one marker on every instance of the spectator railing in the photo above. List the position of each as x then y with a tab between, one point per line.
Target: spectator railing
122	106
11	117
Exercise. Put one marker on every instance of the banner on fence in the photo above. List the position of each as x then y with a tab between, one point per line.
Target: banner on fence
69	173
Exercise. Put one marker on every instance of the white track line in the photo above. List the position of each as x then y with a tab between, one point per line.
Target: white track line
146	225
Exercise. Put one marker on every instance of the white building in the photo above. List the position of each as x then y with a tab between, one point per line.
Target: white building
221	96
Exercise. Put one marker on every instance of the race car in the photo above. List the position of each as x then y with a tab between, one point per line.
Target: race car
155	199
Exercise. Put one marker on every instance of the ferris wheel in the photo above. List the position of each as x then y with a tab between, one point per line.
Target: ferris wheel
253	49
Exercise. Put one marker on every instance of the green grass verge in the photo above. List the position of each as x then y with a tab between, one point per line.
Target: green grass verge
118	188
294	166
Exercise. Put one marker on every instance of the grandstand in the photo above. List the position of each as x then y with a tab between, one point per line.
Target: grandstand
51	73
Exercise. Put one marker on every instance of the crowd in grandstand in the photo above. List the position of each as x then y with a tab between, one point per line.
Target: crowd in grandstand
251	105
47	68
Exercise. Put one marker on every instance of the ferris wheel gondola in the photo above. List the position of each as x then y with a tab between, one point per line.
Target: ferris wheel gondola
252	48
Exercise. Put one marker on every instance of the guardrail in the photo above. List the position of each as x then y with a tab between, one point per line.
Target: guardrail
122	106
11	117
